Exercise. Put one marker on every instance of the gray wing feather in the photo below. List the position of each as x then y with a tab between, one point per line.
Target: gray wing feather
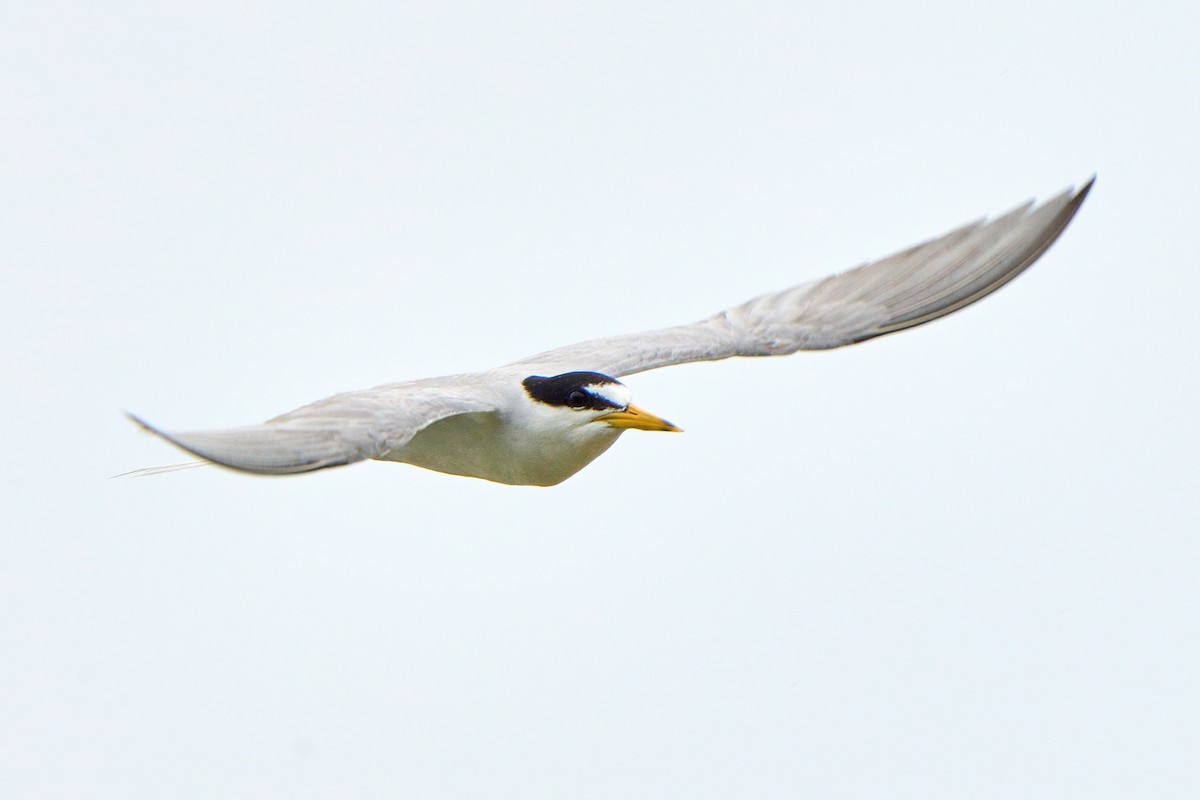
328	433
906	289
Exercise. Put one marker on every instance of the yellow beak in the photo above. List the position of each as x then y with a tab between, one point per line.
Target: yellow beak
634	417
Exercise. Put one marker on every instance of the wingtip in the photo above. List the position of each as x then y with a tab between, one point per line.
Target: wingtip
146	426
1077	199
1087	187
141	423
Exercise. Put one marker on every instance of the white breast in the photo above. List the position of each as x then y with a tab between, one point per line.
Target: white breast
530	446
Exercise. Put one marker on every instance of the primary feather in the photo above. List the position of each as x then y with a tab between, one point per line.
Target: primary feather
906	289
338	430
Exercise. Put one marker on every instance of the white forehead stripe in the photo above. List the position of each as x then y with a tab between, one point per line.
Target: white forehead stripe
616	393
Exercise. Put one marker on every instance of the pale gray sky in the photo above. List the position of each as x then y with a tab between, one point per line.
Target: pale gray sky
957	562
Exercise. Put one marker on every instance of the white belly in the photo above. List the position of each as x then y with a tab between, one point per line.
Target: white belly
481	445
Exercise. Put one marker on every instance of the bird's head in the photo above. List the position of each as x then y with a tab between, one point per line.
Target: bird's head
584	398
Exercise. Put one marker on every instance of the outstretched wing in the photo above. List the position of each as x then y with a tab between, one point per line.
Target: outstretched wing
901	291
328	433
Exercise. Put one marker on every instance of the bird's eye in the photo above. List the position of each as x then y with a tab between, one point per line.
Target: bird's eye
577	399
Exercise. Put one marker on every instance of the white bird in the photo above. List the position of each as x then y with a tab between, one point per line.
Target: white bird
540	420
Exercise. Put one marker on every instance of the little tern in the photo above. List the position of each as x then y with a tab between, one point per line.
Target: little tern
540	420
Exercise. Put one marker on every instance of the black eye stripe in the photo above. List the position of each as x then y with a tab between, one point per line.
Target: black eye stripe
569	390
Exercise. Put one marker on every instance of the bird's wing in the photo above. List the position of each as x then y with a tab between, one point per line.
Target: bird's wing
909	288
337	430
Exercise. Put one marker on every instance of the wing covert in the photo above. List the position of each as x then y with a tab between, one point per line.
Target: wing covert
903	290
338	430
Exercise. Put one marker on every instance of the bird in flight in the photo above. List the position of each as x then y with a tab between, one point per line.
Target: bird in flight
540	420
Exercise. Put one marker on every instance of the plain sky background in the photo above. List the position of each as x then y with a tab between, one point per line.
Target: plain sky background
957	562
